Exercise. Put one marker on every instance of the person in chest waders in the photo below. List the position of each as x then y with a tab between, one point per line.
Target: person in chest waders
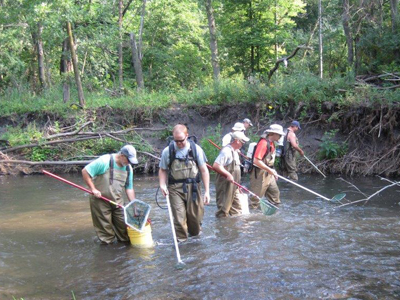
227	166
263	176
181	165
227	138
291	146
109	176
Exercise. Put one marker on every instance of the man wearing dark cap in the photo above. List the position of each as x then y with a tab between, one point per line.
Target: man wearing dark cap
291	145
109	176
247	123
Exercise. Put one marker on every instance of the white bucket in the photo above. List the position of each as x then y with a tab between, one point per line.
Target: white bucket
244	203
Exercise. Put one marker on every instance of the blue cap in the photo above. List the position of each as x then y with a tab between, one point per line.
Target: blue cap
295	123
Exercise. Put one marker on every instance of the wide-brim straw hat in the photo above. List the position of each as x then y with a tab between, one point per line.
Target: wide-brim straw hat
275	128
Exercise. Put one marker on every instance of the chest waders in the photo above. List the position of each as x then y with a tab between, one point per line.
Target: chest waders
289	165
228	203
185	193
262	183
108	219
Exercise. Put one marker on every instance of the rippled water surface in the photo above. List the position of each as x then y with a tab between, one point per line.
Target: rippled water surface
307	250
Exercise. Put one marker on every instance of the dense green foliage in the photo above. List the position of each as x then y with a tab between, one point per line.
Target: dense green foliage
174	44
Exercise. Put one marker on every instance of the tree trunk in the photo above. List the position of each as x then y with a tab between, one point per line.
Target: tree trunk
213	40
321	60
120	57
75	64
347	32
65	69
40	56
137	64
394	12
137	54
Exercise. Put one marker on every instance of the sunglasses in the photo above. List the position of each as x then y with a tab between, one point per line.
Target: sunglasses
180	141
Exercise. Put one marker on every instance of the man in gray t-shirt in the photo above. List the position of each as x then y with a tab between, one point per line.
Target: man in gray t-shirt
179	178
227	166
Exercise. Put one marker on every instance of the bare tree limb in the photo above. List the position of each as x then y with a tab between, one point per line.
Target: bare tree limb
285	59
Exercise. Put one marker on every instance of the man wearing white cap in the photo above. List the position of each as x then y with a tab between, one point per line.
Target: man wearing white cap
263	179
227	139
288	159
227	166
108	176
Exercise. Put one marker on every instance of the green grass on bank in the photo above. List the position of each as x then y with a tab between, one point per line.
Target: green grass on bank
282	92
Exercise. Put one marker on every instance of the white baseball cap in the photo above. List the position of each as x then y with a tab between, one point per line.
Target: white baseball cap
239	135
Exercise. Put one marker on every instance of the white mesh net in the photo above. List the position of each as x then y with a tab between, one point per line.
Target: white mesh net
136	214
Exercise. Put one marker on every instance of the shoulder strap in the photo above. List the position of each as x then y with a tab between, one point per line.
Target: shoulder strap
171	150
128	171
111	169
193	151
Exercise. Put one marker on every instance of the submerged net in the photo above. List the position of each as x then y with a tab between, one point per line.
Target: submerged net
266	207
338	197
136	214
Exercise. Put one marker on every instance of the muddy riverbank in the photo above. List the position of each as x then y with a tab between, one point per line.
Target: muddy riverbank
368	136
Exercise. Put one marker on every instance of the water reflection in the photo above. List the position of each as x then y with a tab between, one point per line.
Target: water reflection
306	250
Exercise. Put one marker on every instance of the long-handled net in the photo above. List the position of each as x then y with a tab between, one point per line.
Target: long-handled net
136	212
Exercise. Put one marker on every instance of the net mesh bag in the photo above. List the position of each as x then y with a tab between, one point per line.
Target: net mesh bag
266	207
136	214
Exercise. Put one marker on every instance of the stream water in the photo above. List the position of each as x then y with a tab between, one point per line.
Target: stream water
307	250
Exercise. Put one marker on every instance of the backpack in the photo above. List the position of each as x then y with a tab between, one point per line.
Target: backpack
251	162
282	145
192	155
192	151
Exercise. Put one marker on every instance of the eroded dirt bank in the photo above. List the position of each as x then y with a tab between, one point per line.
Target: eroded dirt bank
369	134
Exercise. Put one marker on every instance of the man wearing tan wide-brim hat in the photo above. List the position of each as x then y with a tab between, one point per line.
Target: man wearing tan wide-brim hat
263	176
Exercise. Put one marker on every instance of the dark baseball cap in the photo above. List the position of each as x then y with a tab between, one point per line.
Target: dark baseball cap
295	123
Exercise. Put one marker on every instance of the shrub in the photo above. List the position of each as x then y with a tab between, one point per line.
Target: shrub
330	149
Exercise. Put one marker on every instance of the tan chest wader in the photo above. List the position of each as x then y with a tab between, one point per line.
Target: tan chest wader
185	193
228	203
262	183
108	219
289	165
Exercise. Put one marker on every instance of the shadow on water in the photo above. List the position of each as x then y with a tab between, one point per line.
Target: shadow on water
307	249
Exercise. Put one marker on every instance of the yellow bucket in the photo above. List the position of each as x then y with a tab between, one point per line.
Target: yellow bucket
141	239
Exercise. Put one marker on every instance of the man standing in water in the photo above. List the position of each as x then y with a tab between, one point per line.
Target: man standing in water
181	164
227	166
227	138
108	176
291	145
264	159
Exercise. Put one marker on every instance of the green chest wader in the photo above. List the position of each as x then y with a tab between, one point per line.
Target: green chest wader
289	162
108	219
228	203
185	198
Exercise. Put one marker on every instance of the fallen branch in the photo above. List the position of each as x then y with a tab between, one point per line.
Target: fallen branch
367	199
48	143
37	163
68	133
